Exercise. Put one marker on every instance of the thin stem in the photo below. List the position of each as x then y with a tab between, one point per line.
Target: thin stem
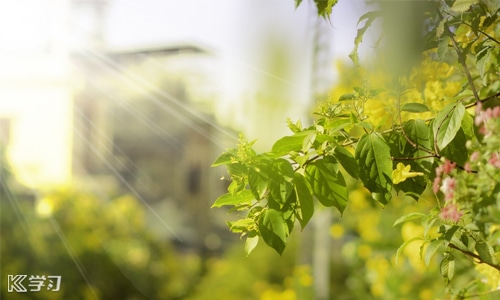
474	255
461	59
415	158
484	33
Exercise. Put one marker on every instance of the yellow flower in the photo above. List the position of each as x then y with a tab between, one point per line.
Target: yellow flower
402	172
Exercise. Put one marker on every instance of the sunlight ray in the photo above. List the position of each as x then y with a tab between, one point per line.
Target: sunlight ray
159	131
181	111
129	186
73	256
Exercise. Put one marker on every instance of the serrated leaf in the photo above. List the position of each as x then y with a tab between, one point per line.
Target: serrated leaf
408	217
431	250
462	5
447	267
281	176
486	252
375	166
447	123
347	160
229	199
273	229
415	107
327	183
304	199
369	17
258	179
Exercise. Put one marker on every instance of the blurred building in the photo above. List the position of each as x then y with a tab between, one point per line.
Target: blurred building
140	123
35	91
136	121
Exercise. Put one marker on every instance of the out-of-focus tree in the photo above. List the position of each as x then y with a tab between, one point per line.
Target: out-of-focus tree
100	248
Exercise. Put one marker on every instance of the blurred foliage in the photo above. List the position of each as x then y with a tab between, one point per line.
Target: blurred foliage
102	249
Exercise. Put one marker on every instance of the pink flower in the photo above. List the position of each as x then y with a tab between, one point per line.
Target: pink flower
495	160
448	167
448	188
467	167
450	213
474	156
435	184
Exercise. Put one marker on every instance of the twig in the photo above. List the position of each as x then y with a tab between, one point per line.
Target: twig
474	255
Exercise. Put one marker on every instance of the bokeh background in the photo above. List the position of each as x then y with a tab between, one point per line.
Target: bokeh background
111	113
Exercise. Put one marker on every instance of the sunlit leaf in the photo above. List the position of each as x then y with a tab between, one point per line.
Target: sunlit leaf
408	217
251	242
328	184
291	143
447	123
463	5
229	199
375	166
486	252
431	250
347	160
273	229
304	199
415	107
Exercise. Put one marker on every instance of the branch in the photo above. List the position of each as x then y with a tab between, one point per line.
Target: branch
484	33
483	100
461	59
475	256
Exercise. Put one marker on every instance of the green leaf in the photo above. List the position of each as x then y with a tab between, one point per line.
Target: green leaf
297	3
457	150
461	6
225	158
414	107
251	242
242	225
347	97
346	159
281	176
291	143
447	267
328	184
369	17
375	166
408	217
258	179
486	252
308	142
450	232
447	123
229	199
273	229
431	250
325	7
337	124
305	200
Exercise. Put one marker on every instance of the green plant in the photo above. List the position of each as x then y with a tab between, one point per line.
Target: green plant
420	123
